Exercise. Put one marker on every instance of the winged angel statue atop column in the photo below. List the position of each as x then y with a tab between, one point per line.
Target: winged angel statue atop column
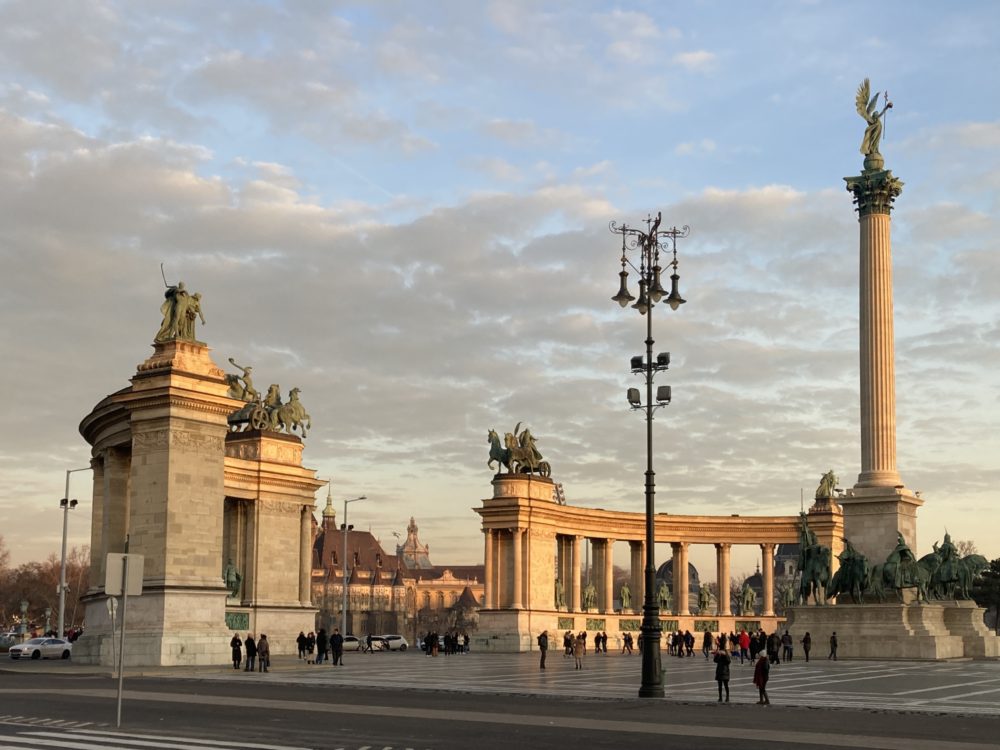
868	108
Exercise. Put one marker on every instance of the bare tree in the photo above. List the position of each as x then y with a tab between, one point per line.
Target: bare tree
966	547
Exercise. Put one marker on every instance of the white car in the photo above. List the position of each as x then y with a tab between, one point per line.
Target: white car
395	642
42	648
351	643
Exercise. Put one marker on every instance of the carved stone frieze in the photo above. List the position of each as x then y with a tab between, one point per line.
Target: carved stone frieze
159	439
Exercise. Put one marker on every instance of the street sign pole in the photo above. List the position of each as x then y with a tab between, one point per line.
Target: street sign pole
121	644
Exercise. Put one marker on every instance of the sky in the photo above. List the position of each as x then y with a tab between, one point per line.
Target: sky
402	209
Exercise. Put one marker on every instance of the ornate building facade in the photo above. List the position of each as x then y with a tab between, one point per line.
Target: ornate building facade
401	593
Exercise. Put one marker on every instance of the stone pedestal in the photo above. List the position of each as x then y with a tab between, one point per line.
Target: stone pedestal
873	516
965	619
879	631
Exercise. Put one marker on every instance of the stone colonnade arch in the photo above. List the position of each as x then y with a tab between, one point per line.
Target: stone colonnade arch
530	541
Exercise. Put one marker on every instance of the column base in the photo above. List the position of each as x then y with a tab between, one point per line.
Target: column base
875	516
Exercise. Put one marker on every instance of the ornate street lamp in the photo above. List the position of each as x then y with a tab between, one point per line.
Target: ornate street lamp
67	505
345	528
647	245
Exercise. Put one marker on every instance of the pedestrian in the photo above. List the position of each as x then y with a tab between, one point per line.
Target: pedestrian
706	643
337	647
543	647
368	643
786	647
237	646
760	674
251	649
773	647
567	644
301	643
604	641
833	646
807	644
722	662
579	649
322	644
263	653
310	647
744	644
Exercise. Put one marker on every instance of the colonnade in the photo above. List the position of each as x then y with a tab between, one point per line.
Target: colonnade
508	576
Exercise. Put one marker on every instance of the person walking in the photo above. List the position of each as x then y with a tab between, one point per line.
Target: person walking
579	649
833	646
744	643
322	645
567	644
722	662
368	643
237	646
760	674
301	643
807	644
263	653
786	647
337	647
251	649
706	643
543	647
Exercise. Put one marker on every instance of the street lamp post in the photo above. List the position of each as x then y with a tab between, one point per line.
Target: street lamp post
648	244
67	505
345	528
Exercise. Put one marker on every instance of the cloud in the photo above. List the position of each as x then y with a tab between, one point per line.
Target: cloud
704	146
698	60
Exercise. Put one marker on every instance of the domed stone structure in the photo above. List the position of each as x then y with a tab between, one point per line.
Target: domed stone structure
666	573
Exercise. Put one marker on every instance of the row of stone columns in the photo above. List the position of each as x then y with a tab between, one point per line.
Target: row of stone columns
569	566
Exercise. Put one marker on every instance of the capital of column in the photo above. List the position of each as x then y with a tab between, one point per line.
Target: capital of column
874	191
723	546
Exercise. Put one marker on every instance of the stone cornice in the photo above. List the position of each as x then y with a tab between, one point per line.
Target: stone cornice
592	523
874	191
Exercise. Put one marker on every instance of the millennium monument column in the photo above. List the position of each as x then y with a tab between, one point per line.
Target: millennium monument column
879	507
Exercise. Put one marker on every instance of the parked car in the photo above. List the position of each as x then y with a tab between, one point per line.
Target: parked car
42	648
351	643
395	642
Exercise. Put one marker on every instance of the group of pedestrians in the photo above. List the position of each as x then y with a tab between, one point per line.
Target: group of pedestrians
315	648
257	652
723	660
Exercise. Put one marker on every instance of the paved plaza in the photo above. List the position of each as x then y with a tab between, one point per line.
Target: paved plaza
964	687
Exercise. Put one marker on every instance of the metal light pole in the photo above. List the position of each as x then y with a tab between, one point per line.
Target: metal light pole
67	505
343	585
648	245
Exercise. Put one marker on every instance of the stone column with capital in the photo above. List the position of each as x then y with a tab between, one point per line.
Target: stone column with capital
637	577
489	584
722	573
879	506
767	573
305	556
609	576
517	572
575	591
684	595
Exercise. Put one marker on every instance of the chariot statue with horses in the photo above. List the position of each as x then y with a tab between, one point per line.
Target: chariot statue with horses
267	412
518	453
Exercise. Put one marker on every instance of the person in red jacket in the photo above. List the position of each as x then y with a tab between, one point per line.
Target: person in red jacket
744	645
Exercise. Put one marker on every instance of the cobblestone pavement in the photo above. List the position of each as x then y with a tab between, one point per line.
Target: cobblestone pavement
965	687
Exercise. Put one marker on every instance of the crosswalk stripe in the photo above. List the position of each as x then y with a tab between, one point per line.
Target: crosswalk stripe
196	740
74	739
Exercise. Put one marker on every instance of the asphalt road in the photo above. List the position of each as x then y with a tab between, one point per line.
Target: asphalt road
70	710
